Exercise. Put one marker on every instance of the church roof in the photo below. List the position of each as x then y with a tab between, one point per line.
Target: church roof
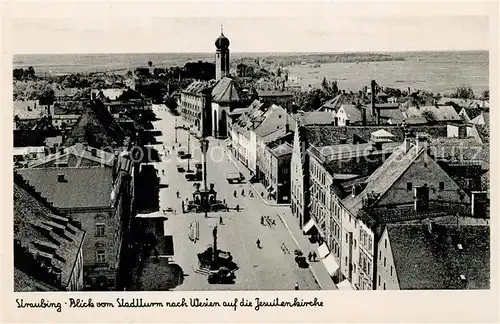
226	90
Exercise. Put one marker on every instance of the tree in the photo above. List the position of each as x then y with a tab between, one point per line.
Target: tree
30	72
463	92
150	63
485	95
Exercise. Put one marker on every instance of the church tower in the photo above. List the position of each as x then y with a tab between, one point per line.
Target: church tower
221	56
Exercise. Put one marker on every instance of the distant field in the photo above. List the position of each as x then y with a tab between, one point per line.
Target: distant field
433	71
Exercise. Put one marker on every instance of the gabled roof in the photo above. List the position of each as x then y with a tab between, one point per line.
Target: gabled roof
382	133
482	119
440	113
84	187
96	127
32	222
352	112
274	118
226	90
197	88
385	176
433	261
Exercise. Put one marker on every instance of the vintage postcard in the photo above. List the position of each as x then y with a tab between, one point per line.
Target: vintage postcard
227	162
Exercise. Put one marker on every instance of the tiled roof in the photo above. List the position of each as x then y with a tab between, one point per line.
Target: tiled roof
352	112
456	149
332	135
29	109
483	132
465	103
440	113
83	187
32	222
282	150
434	261
226	90
197	88
96	127
385	176
472	112
317	118
274	118
382	133
275	135
395	115
23	282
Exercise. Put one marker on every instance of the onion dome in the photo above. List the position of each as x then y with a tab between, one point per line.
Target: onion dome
222	41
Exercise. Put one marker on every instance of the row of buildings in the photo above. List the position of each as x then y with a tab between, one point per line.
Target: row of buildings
394	191
75	190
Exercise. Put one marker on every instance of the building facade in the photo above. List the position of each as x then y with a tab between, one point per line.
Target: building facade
95	189
195	107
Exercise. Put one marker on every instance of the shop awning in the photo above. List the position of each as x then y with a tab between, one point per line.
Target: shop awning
344	285
330	264
323	251
309	225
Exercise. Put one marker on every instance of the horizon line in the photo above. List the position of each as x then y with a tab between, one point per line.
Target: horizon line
267	52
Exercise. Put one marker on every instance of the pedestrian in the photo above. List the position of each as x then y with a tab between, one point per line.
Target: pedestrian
258	243
296	286
314	255
262	220
243	192
162	171
220	221
310	256
237	208
251	194
177	193
234	194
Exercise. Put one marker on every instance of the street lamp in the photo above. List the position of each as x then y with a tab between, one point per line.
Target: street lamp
204	149
189	157
175	127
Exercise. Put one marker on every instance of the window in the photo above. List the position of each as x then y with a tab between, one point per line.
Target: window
385	261
101	256
386	243
409	186
346	261
384	286
441	185
346	237
99	230
354	268
380	255
354	243
379	281
391	271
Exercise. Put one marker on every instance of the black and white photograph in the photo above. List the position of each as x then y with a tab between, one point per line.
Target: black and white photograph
327	152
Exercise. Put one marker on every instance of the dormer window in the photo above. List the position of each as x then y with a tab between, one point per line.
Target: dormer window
60	178
460	247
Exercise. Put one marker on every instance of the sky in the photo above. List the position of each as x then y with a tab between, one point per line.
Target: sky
251	27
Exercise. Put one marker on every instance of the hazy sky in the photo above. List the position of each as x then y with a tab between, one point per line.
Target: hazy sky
251	27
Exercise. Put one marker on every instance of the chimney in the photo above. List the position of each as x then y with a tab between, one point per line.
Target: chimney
373	85
60	178
354	192
363	114
409	92
407	143
378	116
